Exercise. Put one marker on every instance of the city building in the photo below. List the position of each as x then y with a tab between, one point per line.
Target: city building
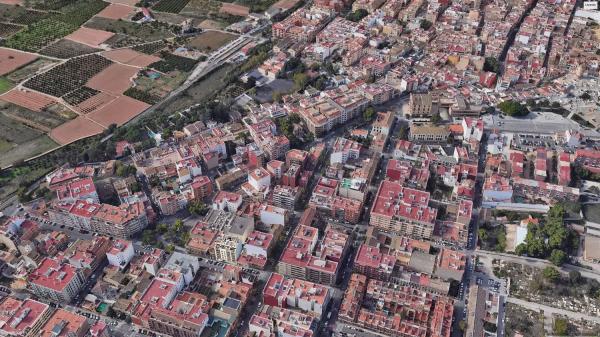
294	293
403	210
121	253
57	281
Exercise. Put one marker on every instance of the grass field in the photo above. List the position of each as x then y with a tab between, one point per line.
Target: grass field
211	40
27	150
4	145
20	141
5	85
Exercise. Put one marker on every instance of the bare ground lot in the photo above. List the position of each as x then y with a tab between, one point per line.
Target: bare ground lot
211	40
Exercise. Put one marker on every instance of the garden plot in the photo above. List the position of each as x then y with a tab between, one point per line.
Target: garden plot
118	111
78	128
68	76
89	36
115	79
66	49
210	41
130	57
116	12
11	60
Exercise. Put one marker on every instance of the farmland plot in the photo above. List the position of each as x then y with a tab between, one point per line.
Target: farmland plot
68	76
66	49
170	6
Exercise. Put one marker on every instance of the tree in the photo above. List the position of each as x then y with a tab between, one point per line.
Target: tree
148	237
357	15
558	257
300	80
125	170
178	226
276	96
491	64
162	228
436	118
574	277
425	24
197	208
551	274
170	248
369	113
560	327
586	96
513	108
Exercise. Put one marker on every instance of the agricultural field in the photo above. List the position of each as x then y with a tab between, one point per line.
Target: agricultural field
68	76
80	95
170	6
66	49
172	62
20	15
29	70
210	41
8	29
150	48
139	33
209	9
41	120
55	25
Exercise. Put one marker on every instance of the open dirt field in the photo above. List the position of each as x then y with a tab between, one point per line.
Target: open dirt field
118	111
116	11
211	40
11	2
12	59
91	37
28	99
211	24
285	4
71	131
115	79
131	57
234	9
